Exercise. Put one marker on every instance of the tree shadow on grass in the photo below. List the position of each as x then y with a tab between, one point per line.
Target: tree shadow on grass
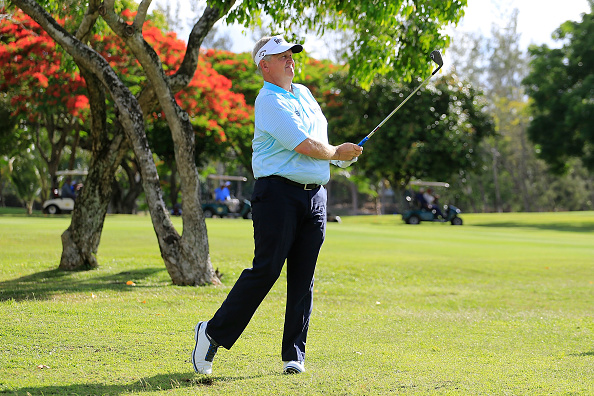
160	382
585	227
583	354
44	285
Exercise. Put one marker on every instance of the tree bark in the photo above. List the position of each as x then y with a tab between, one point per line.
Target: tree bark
80	241
173	190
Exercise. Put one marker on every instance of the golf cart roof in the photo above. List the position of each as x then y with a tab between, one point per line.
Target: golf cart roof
72	172
428	183
225	177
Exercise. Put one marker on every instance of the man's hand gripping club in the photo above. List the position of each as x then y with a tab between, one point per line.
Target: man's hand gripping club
342	155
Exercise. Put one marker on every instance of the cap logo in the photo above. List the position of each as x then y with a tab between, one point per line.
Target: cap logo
278	41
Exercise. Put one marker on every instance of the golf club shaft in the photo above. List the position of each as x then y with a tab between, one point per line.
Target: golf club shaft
366	138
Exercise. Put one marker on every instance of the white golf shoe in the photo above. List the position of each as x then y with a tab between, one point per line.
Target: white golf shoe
293	367
204	351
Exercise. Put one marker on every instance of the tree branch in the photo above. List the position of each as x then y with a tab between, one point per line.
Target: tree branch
109	4
147	98
115	22
39	146
186	71
141	14
88	20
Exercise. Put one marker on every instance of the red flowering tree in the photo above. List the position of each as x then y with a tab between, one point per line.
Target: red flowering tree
211	107
219	114
45	91
48	93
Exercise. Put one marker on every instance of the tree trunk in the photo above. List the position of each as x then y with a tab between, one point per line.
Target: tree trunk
173	191
495	154
128	200
115	204
527	198
52	159
186	258
80	241
72	162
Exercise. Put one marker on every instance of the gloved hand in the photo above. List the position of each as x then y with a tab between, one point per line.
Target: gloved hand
344	164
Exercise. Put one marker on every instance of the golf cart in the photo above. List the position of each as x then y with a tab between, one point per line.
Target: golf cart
230	207
59	202
418	210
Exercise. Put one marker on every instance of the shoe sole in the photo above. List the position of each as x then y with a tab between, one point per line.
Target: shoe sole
196	331
292	370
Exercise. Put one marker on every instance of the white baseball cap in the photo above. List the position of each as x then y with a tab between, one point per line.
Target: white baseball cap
276	45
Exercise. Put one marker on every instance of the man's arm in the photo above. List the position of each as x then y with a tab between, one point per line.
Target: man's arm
313	148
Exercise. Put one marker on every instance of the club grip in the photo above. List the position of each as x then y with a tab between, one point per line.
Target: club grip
362	142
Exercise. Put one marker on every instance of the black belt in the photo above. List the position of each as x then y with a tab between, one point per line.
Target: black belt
293	183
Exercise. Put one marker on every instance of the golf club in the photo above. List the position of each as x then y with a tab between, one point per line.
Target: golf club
435	57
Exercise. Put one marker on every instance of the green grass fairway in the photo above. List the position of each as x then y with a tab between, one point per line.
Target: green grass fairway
503	305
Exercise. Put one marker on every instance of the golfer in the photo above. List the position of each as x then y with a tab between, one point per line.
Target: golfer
291	158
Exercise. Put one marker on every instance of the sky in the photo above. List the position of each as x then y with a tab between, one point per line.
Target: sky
537	19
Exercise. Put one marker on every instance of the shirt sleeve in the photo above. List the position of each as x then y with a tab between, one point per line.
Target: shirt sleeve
278	118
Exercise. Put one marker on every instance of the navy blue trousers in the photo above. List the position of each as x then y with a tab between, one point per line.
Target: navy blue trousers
289	225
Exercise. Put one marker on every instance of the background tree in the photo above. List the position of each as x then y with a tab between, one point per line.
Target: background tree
186	256
207	84
497	66
394	38
126	187
26	178
433	136
46	94
561	86
10	144
511	177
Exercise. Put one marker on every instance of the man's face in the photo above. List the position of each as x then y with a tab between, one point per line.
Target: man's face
282	65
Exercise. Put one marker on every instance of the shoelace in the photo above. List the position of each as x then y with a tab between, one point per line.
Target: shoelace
212	351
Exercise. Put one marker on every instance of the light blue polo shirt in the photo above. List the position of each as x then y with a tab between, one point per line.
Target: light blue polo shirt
283	121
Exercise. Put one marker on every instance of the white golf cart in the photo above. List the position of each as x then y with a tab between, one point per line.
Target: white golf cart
57	203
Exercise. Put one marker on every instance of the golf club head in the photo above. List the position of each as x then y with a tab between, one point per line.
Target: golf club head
436	57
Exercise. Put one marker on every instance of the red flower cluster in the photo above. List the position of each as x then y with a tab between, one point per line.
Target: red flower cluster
40	78
35	72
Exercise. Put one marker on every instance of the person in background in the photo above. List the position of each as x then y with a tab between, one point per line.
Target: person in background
222	193
432	203
68	189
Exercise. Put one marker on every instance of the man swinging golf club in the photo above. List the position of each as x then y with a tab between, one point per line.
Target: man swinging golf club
291	158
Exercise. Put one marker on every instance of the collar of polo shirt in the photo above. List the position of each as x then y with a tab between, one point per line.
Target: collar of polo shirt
276	45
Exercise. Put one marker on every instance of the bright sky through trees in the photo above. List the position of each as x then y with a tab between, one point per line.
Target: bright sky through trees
537	19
